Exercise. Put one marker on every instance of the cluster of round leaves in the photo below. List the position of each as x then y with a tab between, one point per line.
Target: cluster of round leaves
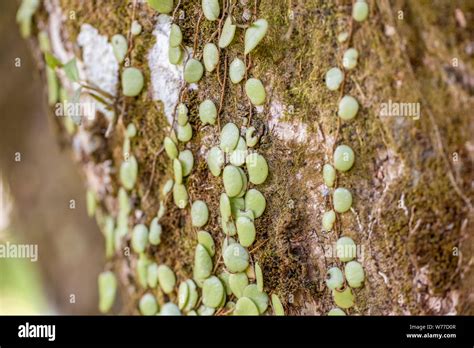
246	205
149	274
183	161
129	166
343	160
341	283
239	207
132	78
115	229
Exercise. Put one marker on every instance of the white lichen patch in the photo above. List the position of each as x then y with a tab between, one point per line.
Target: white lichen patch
166	78
98	67
100	64
286	131
56	19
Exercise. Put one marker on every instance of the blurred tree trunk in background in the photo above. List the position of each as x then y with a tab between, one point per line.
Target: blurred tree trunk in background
412	179
42	181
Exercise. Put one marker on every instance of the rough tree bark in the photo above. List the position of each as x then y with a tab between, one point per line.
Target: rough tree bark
412	180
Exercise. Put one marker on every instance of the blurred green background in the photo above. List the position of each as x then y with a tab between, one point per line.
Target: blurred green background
35	193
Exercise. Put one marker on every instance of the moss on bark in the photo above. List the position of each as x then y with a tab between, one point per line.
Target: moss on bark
407	213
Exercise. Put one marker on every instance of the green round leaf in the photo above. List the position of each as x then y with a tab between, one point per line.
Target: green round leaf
142	269
346	249
210	56
193	295
329	218
238	282
132	82
148	304
227	33
237	156
178	171
199	213
342	37
212	292
244	183
229	138
107	283
162	6
180	196
334	78
131	130
335	278
348	107
232	180
211	9
187	161
129	172
193	71
354	274
245	306
254	34
215	160
152	275
136	28
225	207
170	148
184	133
206	311
257	168
119	47
236	258
336	312
250	138
202	263
255	91
207	112
183	295
139	238
277	305
343	158
360	11
224	277
329	175
237	70
176	37
258	297
182	114
154	237
255	201
246	231
175	55
167	187
170	308
342	200
166	278
205	239
344	298
349	60
236	204
228	228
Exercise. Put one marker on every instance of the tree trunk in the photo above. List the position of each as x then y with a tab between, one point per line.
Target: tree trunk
411	216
